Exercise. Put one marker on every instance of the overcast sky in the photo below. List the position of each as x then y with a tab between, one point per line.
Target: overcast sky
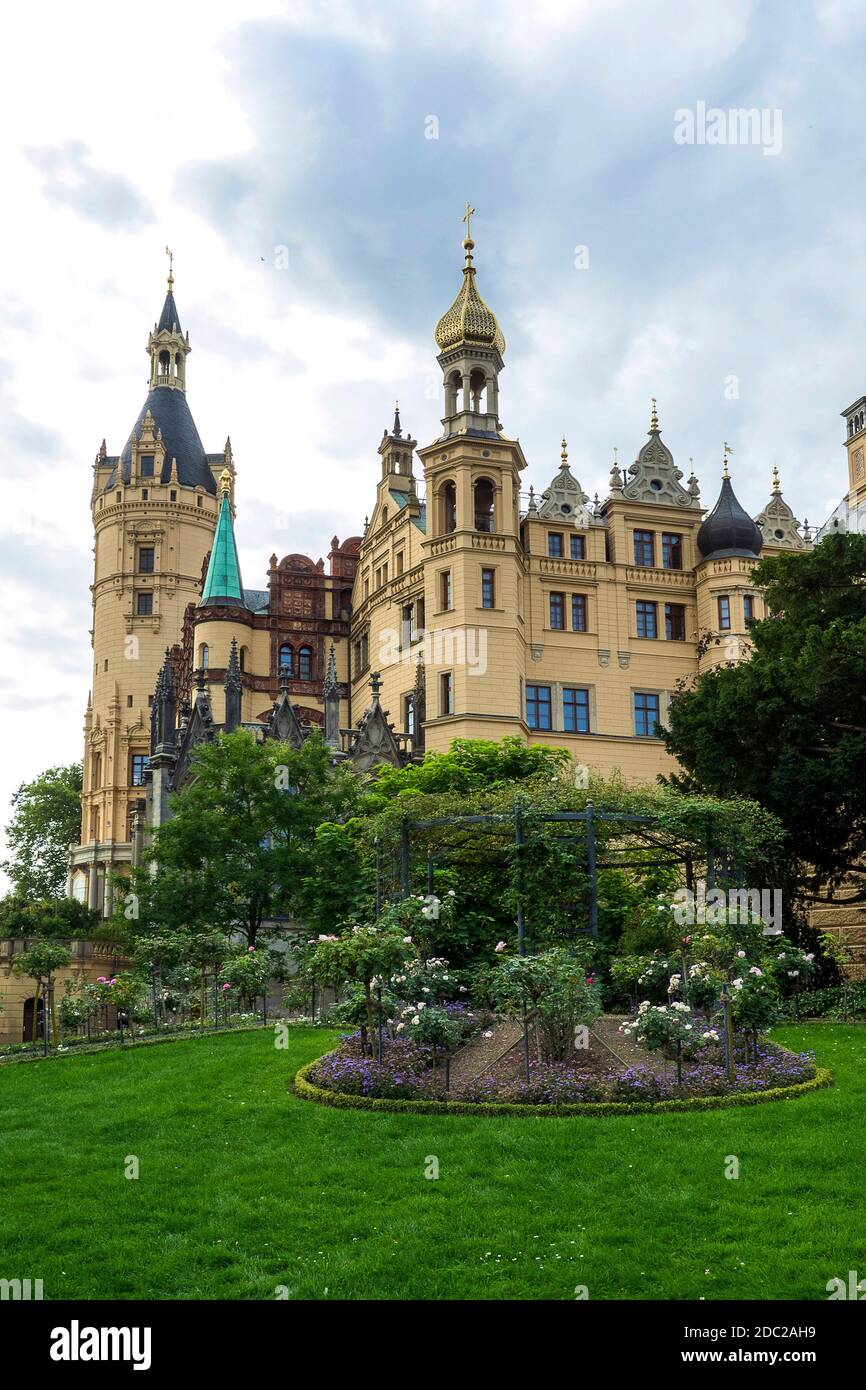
726	279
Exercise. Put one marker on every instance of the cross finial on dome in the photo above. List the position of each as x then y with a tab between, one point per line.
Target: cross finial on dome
726	451
468	243
170	255
654	419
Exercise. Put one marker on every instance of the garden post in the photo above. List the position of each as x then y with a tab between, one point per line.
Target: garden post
729	1046
378	877
404	858
711	863
430	871
379	1006
521	920
593	879
153	998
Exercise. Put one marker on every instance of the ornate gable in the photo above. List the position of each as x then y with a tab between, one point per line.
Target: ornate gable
284	722
777	522
374	741
565	501
654	477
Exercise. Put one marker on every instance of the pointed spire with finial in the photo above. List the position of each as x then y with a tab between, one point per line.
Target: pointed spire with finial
654	417
777	486
563	456
727	451
397	431
233	689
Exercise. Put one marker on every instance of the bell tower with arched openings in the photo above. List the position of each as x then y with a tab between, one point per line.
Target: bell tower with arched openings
473	556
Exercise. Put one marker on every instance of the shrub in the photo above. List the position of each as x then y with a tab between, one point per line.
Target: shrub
556	986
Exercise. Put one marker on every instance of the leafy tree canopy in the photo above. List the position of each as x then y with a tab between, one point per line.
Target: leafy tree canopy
46	918
788	727
46	820
240	839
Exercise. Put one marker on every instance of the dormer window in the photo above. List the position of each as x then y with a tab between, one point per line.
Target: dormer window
147	465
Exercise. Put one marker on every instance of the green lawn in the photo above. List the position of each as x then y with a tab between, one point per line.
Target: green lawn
243	1188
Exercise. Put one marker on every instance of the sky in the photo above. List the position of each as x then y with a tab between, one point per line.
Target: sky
309	167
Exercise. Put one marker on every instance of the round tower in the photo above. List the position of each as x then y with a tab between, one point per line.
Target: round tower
154	508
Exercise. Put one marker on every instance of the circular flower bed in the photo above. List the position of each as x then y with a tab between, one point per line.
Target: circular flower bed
406	1074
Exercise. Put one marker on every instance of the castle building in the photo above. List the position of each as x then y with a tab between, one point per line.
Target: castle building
473	605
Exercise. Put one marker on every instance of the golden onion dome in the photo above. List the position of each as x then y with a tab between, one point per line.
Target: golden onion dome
469	320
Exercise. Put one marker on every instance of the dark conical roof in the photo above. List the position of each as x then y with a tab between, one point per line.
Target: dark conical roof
729	530
169	318
172	416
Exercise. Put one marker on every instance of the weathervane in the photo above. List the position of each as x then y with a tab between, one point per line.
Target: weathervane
727	450
170	255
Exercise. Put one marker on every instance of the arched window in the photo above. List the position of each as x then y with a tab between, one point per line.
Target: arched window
305	664
453	383
477	382
448	505
204	656
287	659
483	493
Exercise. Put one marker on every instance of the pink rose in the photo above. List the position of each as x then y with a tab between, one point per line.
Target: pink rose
500	946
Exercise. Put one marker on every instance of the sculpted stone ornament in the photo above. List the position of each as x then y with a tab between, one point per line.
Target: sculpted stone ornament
654	477
777	522
565	501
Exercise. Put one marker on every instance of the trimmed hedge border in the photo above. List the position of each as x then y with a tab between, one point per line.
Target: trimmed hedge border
305	1090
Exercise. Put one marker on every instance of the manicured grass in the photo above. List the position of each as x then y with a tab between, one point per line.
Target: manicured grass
243	1187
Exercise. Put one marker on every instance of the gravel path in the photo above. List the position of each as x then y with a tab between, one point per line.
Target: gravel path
607	1046
478	1056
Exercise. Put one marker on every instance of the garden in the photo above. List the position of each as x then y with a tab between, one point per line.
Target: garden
561	956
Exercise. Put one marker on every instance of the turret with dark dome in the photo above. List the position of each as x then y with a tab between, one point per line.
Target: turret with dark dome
729	530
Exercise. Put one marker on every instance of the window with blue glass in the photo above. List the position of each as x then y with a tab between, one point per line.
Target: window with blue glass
554	544
749	609
305	664
538	708
557	611
146	462
578	612
724	613
672	550
287	658
643	548
578	548
575	710
647	624
675	622
144	604
137	767
646	713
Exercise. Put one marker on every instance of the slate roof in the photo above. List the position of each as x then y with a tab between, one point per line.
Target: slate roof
729	530
172	416
169	318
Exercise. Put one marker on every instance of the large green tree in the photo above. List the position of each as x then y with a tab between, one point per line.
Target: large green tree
46	820
240	840
787	728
